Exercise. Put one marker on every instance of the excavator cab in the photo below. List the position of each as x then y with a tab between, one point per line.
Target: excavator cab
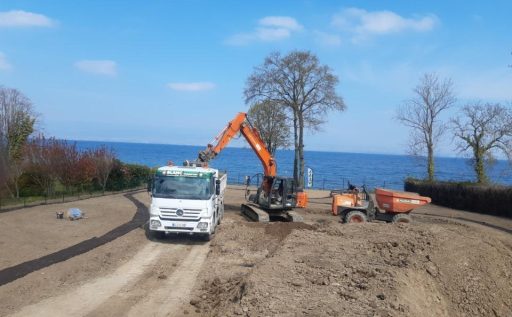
276	193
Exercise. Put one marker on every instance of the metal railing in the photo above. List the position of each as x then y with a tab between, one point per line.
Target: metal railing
323	183
8	204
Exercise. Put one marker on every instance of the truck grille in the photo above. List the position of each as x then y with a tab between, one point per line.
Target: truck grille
188	214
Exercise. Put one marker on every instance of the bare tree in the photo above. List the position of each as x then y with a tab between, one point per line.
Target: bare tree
17	121
3	163
272	124
43	161
484	130
103	159
74	166
422	114
306	88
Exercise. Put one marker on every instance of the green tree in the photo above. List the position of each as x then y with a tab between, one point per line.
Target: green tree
17	120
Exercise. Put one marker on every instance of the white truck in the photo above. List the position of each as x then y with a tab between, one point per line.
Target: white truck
186	199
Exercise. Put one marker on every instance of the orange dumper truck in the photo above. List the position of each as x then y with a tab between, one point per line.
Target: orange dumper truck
357	205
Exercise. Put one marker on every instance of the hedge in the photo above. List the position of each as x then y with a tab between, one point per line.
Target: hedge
486	199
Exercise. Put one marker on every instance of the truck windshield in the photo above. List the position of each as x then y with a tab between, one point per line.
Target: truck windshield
182	187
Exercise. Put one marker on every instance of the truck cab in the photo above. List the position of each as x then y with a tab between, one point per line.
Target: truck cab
186	200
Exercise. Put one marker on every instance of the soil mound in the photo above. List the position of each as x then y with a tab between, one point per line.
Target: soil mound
329	269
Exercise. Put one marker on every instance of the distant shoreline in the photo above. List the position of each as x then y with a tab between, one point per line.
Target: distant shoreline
285	150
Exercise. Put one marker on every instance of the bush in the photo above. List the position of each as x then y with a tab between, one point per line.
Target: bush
125	176
486	199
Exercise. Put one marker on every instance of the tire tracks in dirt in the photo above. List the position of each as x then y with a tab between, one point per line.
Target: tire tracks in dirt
174	292
135	288
88	296
465	220
15	272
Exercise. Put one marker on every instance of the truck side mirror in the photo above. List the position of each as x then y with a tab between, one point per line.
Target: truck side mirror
217	187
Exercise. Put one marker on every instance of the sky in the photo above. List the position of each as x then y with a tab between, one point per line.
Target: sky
174	72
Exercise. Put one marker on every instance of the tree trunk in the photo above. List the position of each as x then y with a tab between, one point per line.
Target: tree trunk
481	177
430	163
17	187
296	143
300	183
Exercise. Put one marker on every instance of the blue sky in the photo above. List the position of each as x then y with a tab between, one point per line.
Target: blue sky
174	71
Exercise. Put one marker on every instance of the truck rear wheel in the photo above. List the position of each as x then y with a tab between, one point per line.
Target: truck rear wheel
403	218
355	216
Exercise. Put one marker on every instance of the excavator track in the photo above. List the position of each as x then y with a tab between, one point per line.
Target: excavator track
254	213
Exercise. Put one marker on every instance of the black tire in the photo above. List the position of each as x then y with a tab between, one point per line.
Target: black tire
402	218
355	216
214	224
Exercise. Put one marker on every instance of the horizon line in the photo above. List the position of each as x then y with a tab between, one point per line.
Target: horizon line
286	149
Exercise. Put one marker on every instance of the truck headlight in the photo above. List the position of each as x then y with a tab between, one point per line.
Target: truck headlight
202	225
155	223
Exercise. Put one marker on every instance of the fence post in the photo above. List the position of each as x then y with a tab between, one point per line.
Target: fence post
323	183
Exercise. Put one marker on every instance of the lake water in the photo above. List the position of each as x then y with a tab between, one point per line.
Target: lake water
331	170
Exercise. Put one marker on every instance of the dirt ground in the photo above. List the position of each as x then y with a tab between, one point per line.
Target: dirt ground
436	266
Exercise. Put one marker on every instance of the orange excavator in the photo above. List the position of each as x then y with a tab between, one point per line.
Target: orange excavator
277	196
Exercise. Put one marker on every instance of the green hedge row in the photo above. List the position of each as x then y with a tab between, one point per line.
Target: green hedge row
486	199
124	176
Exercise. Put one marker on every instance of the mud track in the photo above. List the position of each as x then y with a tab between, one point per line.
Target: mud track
15	272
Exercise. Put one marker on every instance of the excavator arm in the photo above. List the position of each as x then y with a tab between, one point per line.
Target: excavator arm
251	134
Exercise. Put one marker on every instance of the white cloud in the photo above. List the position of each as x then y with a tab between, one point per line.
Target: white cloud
269	29
327	39
4	64
366	23
193	86
100	67
19	18
280	22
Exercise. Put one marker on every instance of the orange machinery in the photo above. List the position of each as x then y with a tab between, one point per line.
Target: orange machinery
357	205
277	196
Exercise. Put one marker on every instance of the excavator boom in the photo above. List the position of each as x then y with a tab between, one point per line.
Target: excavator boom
251	134
276	195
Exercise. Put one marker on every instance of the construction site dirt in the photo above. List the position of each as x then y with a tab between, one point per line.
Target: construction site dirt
445	263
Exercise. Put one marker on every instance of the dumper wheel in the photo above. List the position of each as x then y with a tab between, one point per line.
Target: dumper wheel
355	216
403	218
